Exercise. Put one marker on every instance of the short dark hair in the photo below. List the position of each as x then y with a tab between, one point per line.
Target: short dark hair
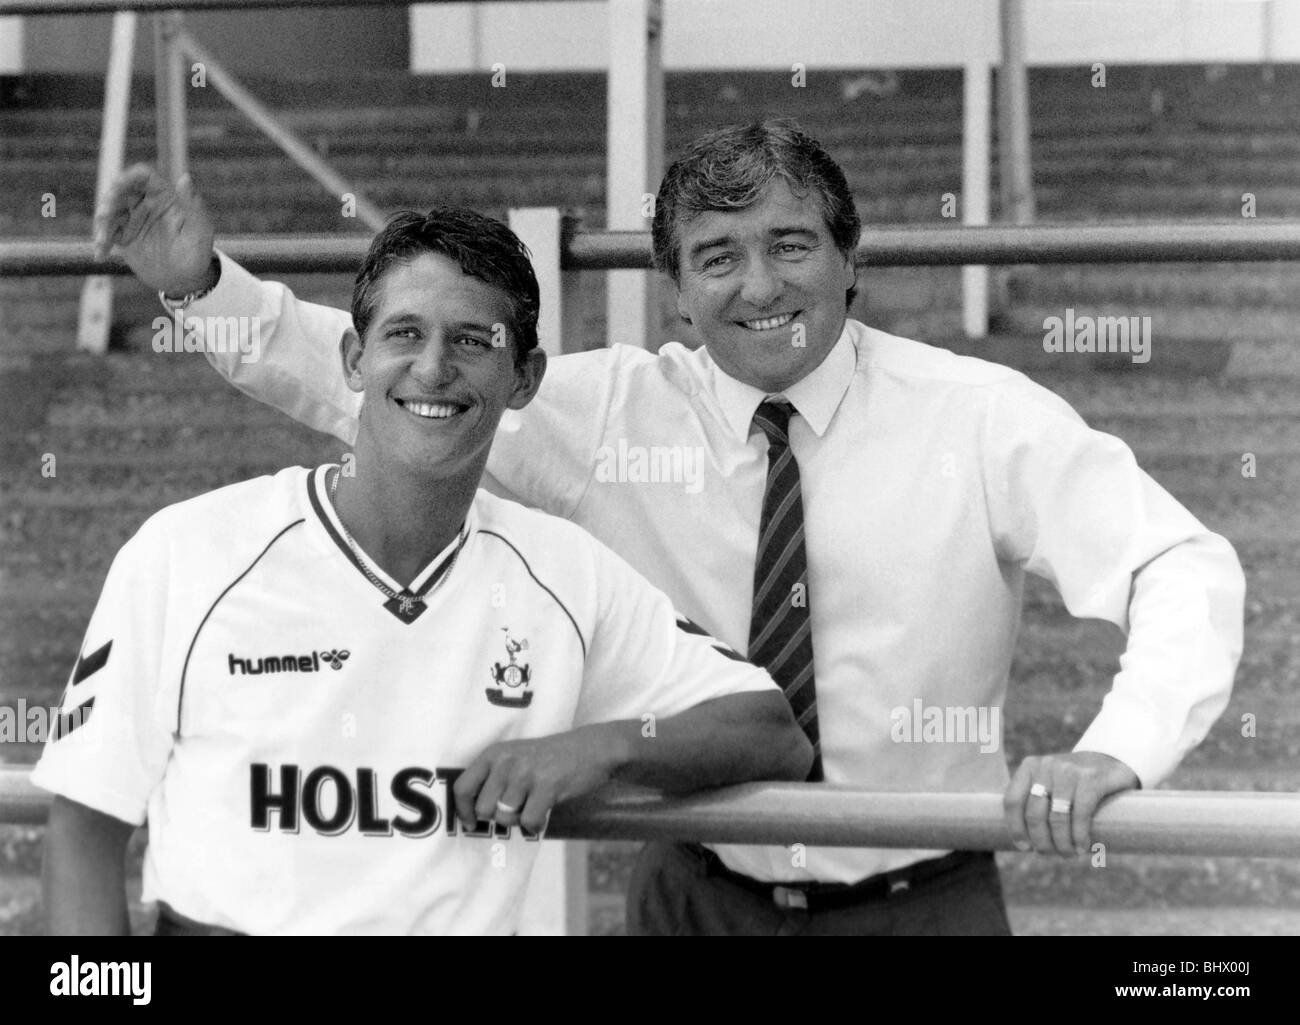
728	169
482	246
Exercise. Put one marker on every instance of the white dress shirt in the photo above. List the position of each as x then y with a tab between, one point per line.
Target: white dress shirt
931	484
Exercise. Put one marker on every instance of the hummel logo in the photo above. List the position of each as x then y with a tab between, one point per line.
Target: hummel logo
309	663
336	658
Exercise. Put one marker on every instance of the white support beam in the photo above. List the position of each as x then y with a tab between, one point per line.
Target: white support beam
976	97
11	46
96	310
539	229
634	164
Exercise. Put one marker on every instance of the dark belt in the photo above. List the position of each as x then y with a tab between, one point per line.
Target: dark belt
172	923
828	896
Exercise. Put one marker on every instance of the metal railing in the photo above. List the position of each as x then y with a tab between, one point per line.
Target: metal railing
1144	822
28	7
880	247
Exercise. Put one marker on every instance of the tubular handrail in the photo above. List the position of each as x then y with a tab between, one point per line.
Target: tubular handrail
880	247
1202	823
27	7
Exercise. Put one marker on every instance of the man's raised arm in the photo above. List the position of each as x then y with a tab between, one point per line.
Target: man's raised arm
279	349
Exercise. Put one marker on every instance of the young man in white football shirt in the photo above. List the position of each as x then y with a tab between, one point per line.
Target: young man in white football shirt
347	704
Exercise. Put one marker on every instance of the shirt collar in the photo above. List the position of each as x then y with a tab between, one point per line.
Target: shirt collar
815	396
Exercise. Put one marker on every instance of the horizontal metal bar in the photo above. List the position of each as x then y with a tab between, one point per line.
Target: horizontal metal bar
1007	244
1142	822
109	6
880	247
1200	823
261	254
21	803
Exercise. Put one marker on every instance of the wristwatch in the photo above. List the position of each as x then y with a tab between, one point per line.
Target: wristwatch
178	304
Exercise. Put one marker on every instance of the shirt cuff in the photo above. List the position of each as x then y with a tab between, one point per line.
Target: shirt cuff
84	789
1137	738
236	289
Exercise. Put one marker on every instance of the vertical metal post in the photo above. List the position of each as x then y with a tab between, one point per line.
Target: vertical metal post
1016	180
96	310
975	166
169	99
1266	40
634	164
475	36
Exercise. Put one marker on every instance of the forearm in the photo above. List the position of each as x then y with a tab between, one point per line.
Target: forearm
84	872
1185	639
727	740
277	348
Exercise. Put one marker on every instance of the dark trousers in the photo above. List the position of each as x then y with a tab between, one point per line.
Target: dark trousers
684	890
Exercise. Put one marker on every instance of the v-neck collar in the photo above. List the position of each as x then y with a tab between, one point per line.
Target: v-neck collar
425	580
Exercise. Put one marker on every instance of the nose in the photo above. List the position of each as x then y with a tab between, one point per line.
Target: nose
760	286
432	365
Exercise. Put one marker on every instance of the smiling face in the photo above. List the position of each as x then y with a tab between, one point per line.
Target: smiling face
438	368
764	286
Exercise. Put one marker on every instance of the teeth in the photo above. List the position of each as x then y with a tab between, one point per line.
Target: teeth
769	323
432	411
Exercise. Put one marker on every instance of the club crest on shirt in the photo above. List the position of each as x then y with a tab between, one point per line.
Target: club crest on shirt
511	680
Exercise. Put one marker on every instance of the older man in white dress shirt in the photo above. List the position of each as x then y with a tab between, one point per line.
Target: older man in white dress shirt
859	516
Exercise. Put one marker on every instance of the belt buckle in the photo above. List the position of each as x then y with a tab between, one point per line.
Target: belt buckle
790	899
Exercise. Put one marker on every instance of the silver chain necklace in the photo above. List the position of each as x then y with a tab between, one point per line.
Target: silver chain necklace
407	604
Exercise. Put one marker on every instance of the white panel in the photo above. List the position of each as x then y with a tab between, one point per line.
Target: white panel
441	38
773	34
529	38
1286	31
11	46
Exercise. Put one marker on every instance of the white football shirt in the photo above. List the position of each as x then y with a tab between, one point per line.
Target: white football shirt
292	735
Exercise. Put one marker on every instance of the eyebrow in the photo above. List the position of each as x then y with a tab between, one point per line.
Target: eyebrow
400	318
472	325
414	318
726	240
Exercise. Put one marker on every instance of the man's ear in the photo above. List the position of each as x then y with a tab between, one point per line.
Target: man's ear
528	378
351	350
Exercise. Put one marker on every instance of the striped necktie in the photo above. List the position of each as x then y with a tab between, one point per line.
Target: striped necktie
780	627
